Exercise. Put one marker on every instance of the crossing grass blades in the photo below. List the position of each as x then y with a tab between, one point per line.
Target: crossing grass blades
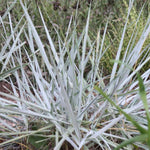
54	104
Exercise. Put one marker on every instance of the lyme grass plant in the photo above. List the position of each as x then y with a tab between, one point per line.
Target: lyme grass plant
55	102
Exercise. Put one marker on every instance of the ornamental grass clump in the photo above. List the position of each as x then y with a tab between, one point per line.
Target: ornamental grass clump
54	102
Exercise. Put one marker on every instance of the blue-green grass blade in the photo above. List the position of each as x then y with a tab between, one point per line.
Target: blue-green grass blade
142	93
140	138
141	129
10	71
